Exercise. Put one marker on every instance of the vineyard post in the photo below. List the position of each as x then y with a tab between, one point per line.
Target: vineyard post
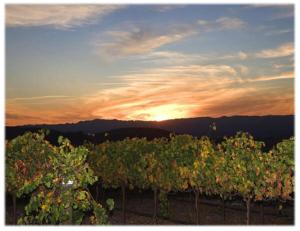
102	194
14	200
68	186
97	191
71	210
224	210
123	202
262	212
196	206
155	206
141	197
248	204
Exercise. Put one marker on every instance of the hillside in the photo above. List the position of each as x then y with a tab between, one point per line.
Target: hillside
270	129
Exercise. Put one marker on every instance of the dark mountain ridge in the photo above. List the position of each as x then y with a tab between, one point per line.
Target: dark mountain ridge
269	129
78	138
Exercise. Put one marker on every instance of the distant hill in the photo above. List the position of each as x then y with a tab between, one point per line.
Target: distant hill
78	138
122	133
270	129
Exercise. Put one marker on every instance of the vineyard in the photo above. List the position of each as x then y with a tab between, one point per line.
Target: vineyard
64	183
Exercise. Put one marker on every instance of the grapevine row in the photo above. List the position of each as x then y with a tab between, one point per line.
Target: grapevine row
236	166
58	178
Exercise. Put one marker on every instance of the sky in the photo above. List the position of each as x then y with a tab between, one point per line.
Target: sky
68	63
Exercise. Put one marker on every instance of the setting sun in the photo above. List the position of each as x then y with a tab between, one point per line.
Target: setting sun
161	112
160	117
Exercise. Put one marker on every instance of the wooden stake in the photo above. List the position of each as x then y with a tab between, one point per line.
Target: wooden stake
155	206
124	203
248	204
97	192
14	200
224	211
262	215
196	206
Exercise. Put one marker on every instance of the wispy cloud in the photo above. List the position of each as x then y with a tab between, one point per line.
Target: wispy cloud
141	39
58	16
283	50
138	40
284	11
278	32
37	110
223	23
19	116
39	98
164	8
242	69
284	75
144	95
238	55
188	91
200	71
175	91
287	65
165	57
251	102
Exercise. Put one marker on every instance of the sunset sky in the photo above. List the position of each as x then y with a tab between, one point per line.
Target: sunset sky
66	63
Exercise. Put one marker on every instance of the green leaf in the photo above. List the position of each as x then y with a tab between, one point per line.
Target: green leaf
110	203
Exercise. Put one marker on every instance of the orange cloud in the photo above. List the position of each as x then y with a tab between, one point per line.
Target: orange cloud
170	92
284	75
283	50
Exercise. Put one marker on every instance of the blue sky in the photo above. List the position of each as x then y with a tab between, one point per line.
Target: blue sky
66	63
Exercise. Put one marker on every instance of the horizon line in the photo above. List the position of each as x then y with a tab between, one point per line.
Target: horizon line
155	121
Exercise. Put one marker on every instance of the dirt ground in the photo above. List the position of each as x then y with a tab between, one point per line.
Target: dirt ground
181	210
139	207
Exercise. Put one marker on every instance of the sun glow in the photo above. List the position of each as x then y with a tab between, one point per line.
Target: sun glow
160	117
161	112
